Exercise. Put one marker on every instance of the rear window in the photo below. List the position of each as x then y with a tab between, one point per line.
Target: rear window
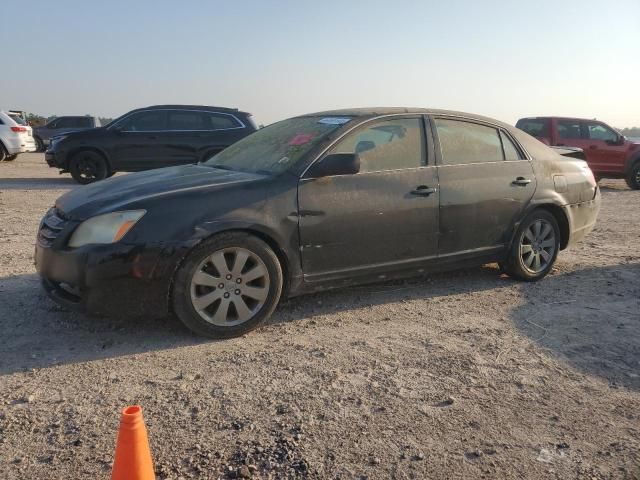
18	119
536	127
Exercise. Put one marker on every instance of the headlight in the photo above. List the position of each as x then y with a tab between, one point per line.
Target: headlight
55	140
107	228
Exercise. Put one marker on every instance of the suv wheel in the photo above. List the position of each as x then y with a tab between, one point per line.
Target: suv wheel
227	286
39	144
3	153
10	158
87	167
535	247
633	177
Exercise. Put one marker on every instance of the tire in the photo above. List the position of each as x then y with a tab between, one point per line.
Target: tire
538	233
633	177
39	144
205	288
88	167
10	158
3	153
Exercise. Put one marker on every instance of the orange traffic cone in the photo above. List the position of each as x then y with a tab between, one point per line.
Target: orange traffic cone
133	456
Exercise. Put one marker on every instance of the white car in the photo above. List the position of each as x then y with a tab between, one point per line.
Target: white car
15	136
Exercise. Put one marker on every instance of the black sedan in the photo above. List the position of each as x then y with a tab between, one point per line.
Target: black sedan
314	202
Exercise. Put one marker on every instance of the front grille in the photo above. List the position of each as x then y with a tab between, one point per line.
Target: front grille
52	224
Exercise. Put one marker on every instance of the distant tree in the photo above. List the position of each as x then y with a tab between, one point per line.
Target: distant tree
105	120
631	132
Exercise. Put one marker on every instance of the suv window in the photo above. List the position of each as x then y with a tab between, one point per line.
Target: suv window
18	119
465	142
510	150
68	122
193	120
536	127
597	131
216	121
386	145
570	129
85	122
149	121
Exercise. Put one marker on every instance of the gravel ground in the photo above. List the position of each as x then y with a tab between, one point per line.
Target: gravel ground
461	375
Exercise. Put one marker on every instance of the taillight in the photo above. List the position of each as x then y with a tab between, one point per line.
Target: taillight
18	129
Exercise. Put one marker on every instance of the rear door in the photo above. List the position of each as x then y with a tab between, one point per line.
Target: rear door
378	219
485	184
196	135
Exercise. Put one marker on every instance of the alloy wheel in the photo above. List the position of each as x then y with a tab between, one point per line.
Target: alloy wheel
230	286
538	245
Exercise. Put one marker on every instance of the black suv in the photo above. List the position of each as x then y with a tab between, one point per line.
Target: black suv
146	138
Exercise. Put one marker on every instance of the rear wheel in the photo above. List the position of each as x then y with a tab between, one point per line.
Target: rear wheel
39	144
535	247
87	167
633	177
3	153
10	158
227	286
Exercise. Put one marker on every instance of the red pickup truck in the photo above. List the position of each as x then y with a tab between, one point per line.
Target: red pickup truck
609	154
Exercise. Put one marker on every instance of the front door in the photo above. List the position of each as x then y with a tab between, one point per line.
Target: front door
382	218
604	153
485	184
138	141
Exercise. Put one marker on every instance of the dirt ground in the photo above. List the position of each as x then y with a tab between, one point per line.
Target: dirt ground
461	375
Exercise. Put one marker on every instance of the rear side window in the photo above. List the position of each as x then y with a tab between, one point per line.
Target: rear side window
386	145
464	142
185	120
18	119
85	122
69	122
510	150
215	121
569	129
536	127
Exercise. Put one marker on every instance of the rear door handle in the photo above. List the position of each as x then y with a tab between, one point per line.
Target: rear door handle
523	182
423	191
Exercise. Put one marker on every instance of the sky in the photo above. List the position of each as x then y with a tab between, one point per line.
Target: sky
277	59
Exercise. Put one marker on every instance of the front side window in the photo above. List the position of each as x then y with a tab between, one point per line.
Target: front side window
597	131
465	142
150	121
569	129
386	145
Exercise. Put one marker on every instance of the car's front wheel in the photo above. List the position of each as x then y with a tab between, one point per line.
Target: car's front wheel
633	178
87	167
227	286
535	247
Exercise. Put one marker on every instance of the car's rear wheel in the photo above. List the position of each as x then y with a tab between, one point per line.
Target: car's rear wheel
535	247
10	158
227	286
87	167
3	153
633	178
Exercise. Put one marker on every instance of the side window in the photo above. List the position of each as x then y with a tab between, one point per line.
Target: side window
569	129
53	124
214	121
386	145
598	131
536	127
85	122
464	142
185	120
510	150
150	121
69	122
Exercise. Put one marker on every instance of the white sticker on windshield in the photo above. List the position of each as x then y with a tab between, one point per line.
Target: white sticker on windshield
334	120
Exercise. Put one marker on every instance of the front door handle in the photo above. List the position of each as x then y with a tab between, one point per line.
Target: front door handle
423	191
521	181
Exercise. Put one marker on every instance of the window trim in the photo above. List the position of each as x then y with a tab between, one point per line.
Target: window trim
426	137
242	125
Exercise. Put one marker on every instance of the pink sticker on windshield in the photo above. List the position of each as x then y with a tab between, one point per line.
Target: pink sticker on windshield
301	139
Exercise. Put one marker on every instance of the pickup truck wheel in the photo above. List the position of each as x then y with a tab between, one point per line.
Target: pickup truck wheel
535	247
633	177
88	167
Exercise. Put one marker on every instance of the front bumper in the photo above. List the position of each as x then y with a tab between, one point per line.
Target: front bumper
113	280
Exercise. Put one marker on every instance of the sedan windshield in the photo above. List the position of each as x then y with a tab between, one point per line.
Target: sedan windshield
278	147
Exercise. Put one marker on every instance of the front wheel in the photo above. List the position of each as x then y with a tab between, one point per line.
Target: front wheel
88	167
227	286
535	247
10	158
633	177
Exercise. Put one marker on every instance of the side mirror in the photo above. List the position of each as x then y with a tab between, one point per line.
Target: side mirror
618	141
335	164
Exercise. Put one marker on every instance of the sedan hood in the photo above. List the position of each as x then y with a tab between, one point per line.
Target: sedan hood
111	194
